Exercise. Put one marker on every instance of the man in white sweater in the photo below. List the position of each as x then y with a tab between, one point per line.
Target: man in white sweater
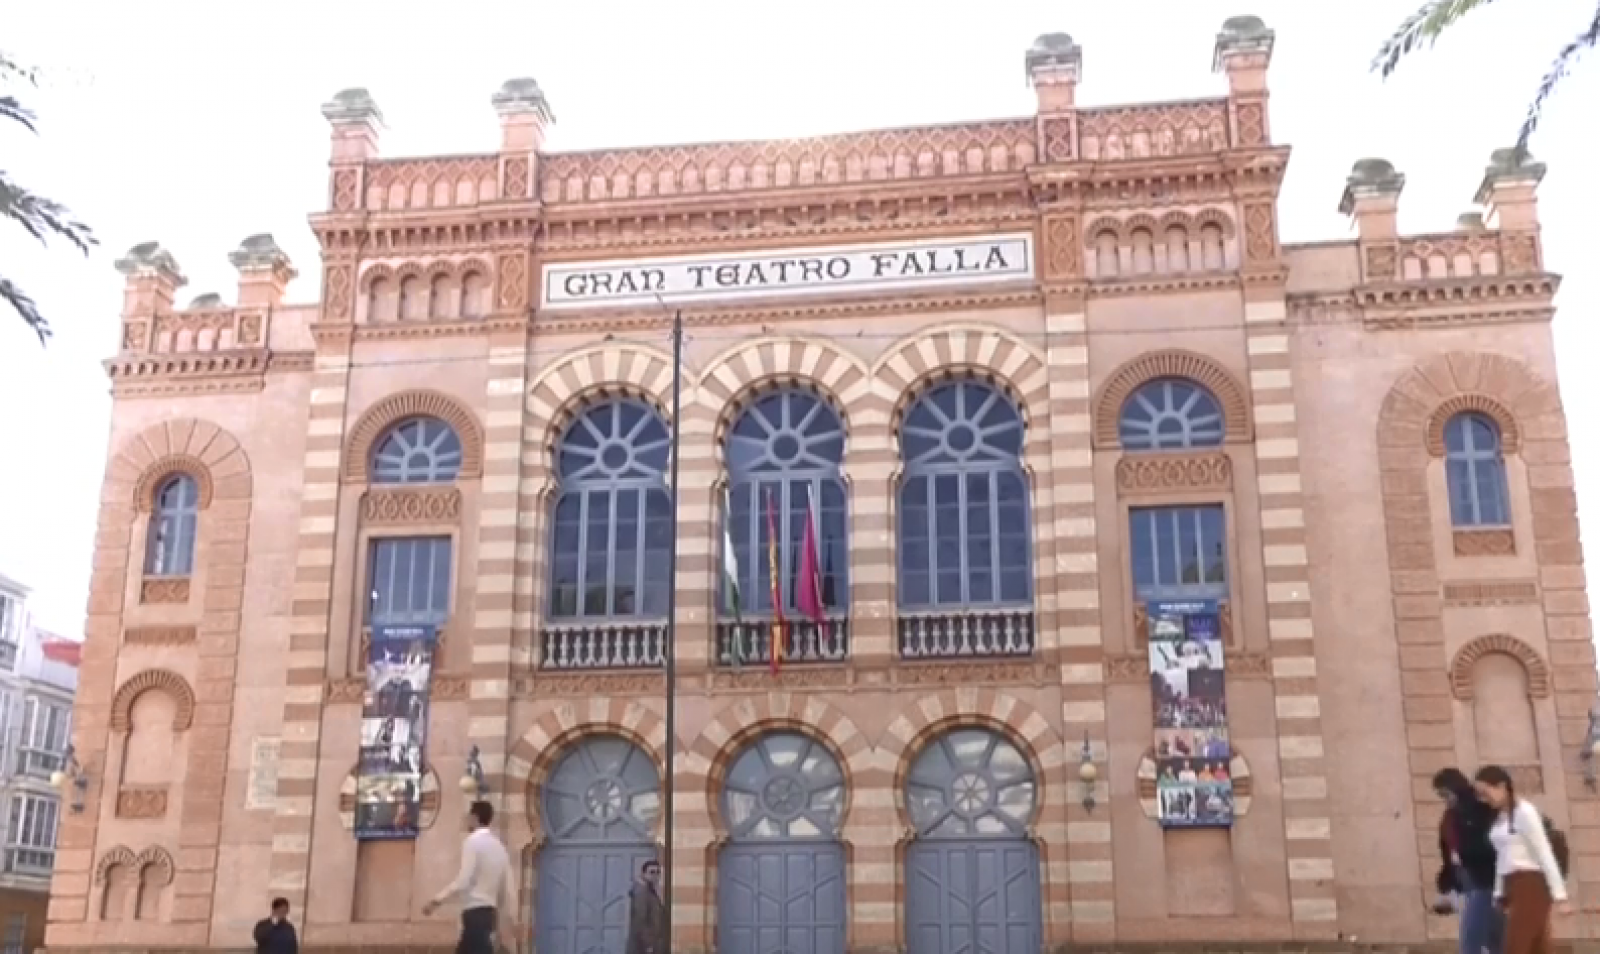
483	885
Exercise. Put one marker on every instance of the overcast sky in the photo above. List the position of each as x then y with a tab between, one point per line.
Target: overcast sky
197	123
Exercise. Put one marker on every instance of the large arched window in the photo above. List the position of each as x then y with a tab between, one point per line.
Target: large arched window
1475	471
1170	414
419	450
785	458
611	539
963	522
174	520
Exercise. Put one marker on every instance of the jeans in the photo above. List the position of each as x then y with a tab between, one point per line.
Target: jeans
477	932
1482	924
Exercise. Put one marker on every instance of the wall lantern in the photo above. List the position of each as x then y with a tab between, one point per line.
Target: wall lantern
472	782
1088	773
71	775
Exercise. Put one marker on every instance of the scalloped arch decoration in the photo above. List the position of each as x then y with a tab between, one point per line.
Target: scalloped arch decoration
565	389
550	735
377	419
1510	435
1171	363
153	680
911	367
1467	657
157	858
735	378
153	479
113	857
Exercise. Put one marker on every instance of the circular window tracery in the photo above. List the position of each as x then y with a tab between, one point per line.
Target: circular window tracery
606	789
616	441
784	785
791	431
421	450
1171	414
971	782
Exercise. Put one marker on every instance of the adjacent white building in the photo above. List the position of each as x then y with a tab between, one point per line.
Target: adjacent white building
38	678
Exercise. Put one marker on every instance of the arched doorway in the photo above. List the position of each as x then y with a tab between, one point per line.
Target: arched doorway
972	873
599	809
780	878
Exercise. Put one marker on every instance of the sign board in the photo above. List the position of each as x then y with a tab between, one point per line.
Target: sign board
898	266
394	730
1194	781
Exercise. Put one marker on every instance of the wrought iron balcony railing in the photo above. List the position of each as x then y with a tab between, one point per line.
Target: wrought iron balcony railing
968	633
603	645
749	641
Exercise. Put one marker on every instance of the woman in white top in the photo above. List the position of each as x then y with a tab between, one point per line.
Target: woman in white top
1527	877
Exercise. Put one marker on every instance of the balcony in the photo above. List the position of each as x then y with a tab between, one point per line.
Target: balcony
967	633
8	655
583	647
749	642
30	861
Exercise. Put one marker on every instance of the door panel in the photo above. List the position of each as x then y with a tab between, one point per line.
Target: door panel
781	898
973	897
583	897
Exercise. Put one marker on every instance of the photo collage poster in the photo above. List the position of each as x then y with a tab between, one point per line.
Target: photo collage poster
1194	784
394	729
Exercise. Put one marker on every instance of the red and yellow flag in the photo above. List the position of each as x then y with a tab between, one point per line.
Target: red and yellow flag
778	626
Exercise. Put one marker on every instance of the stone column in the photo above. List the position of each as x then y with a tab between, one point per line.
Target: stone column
524	116
1244	51
354	118
1372	199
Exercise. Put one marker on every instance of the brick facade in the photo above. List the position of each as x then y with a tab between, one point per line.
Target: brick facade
1369	639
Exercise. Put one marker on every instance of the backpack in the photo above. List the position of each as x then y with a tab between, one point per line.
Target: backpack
1557	839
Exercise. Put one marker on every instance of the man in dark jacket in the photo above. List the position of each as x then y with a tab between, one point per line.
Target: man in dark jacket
275	935
1467	862
647	916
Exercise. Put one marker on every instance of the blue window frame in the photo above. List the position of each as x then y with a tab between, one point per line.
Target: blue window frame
611	537
964	535
174	523
420	450
786	452
1475	471
409	581
1179	552
1170	414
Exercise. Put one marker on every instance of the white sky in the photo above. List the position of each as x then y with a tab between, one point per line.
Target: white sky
196	122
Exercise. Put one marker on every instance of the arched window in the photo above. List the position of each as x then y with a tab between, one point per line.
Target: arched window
611	539
173	522
419	450
785	457
1475	471
1170	414
963	526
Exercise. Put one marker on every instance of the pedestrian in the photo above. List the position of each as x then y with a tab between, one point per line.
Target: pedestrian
483	886
647	915
274	933
1528	876
1467	863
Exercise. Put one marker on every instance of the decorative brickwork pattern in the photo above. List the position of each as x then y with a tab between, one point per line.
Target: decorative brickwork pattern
1307	823
144	492
1531	408
1170	364
376	421
204	697
1467	656
1510	436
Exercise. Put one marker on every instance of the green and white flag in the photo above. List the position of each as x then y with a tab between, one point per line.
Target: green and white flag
730	581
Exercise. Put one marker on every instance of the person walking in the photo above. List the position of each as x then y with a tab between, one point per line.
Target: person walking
647	915
483	885
1467	863
274	933
1528	877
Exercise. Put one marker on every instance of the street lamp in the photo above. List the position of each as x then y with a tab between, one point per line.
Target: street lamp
472	782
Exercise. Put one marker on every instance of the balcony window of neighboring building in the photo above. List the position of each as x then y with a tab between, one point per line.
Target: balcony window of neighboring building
45	730
31	833
611	537
785	457
963	523
16	933
1170	414
174	521
1475	471
1178	552
409	581
420	450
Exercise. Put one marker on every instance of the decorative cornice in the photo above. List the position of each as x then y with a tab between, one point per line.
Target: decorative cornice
455	328
201	372
159	635
1458	319
1146	285
1491	592
1498	290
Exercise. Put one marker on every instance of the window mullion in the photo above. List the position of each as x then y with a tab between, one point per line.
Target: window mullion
581	610
612	499
962	540
995	583
930	487
641	511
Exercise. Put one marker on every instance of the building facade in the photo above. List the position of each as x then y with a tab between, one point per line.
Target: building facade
38	678
1136	569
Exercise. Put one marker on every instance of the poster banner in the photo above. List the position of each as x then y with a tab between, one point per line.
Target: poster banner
1193	785
394	729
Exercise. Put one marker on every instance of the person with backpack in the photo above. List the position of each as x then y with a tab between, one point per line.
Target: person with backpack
1467	863
1530	864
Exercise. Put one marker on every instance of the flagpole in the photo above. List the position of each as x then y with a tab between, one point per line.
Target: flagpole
669	651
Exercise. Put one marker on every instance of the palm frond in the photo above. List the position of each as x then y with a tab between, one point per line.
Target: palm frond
1558	71
13	110
1422	27
25	308
41	217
